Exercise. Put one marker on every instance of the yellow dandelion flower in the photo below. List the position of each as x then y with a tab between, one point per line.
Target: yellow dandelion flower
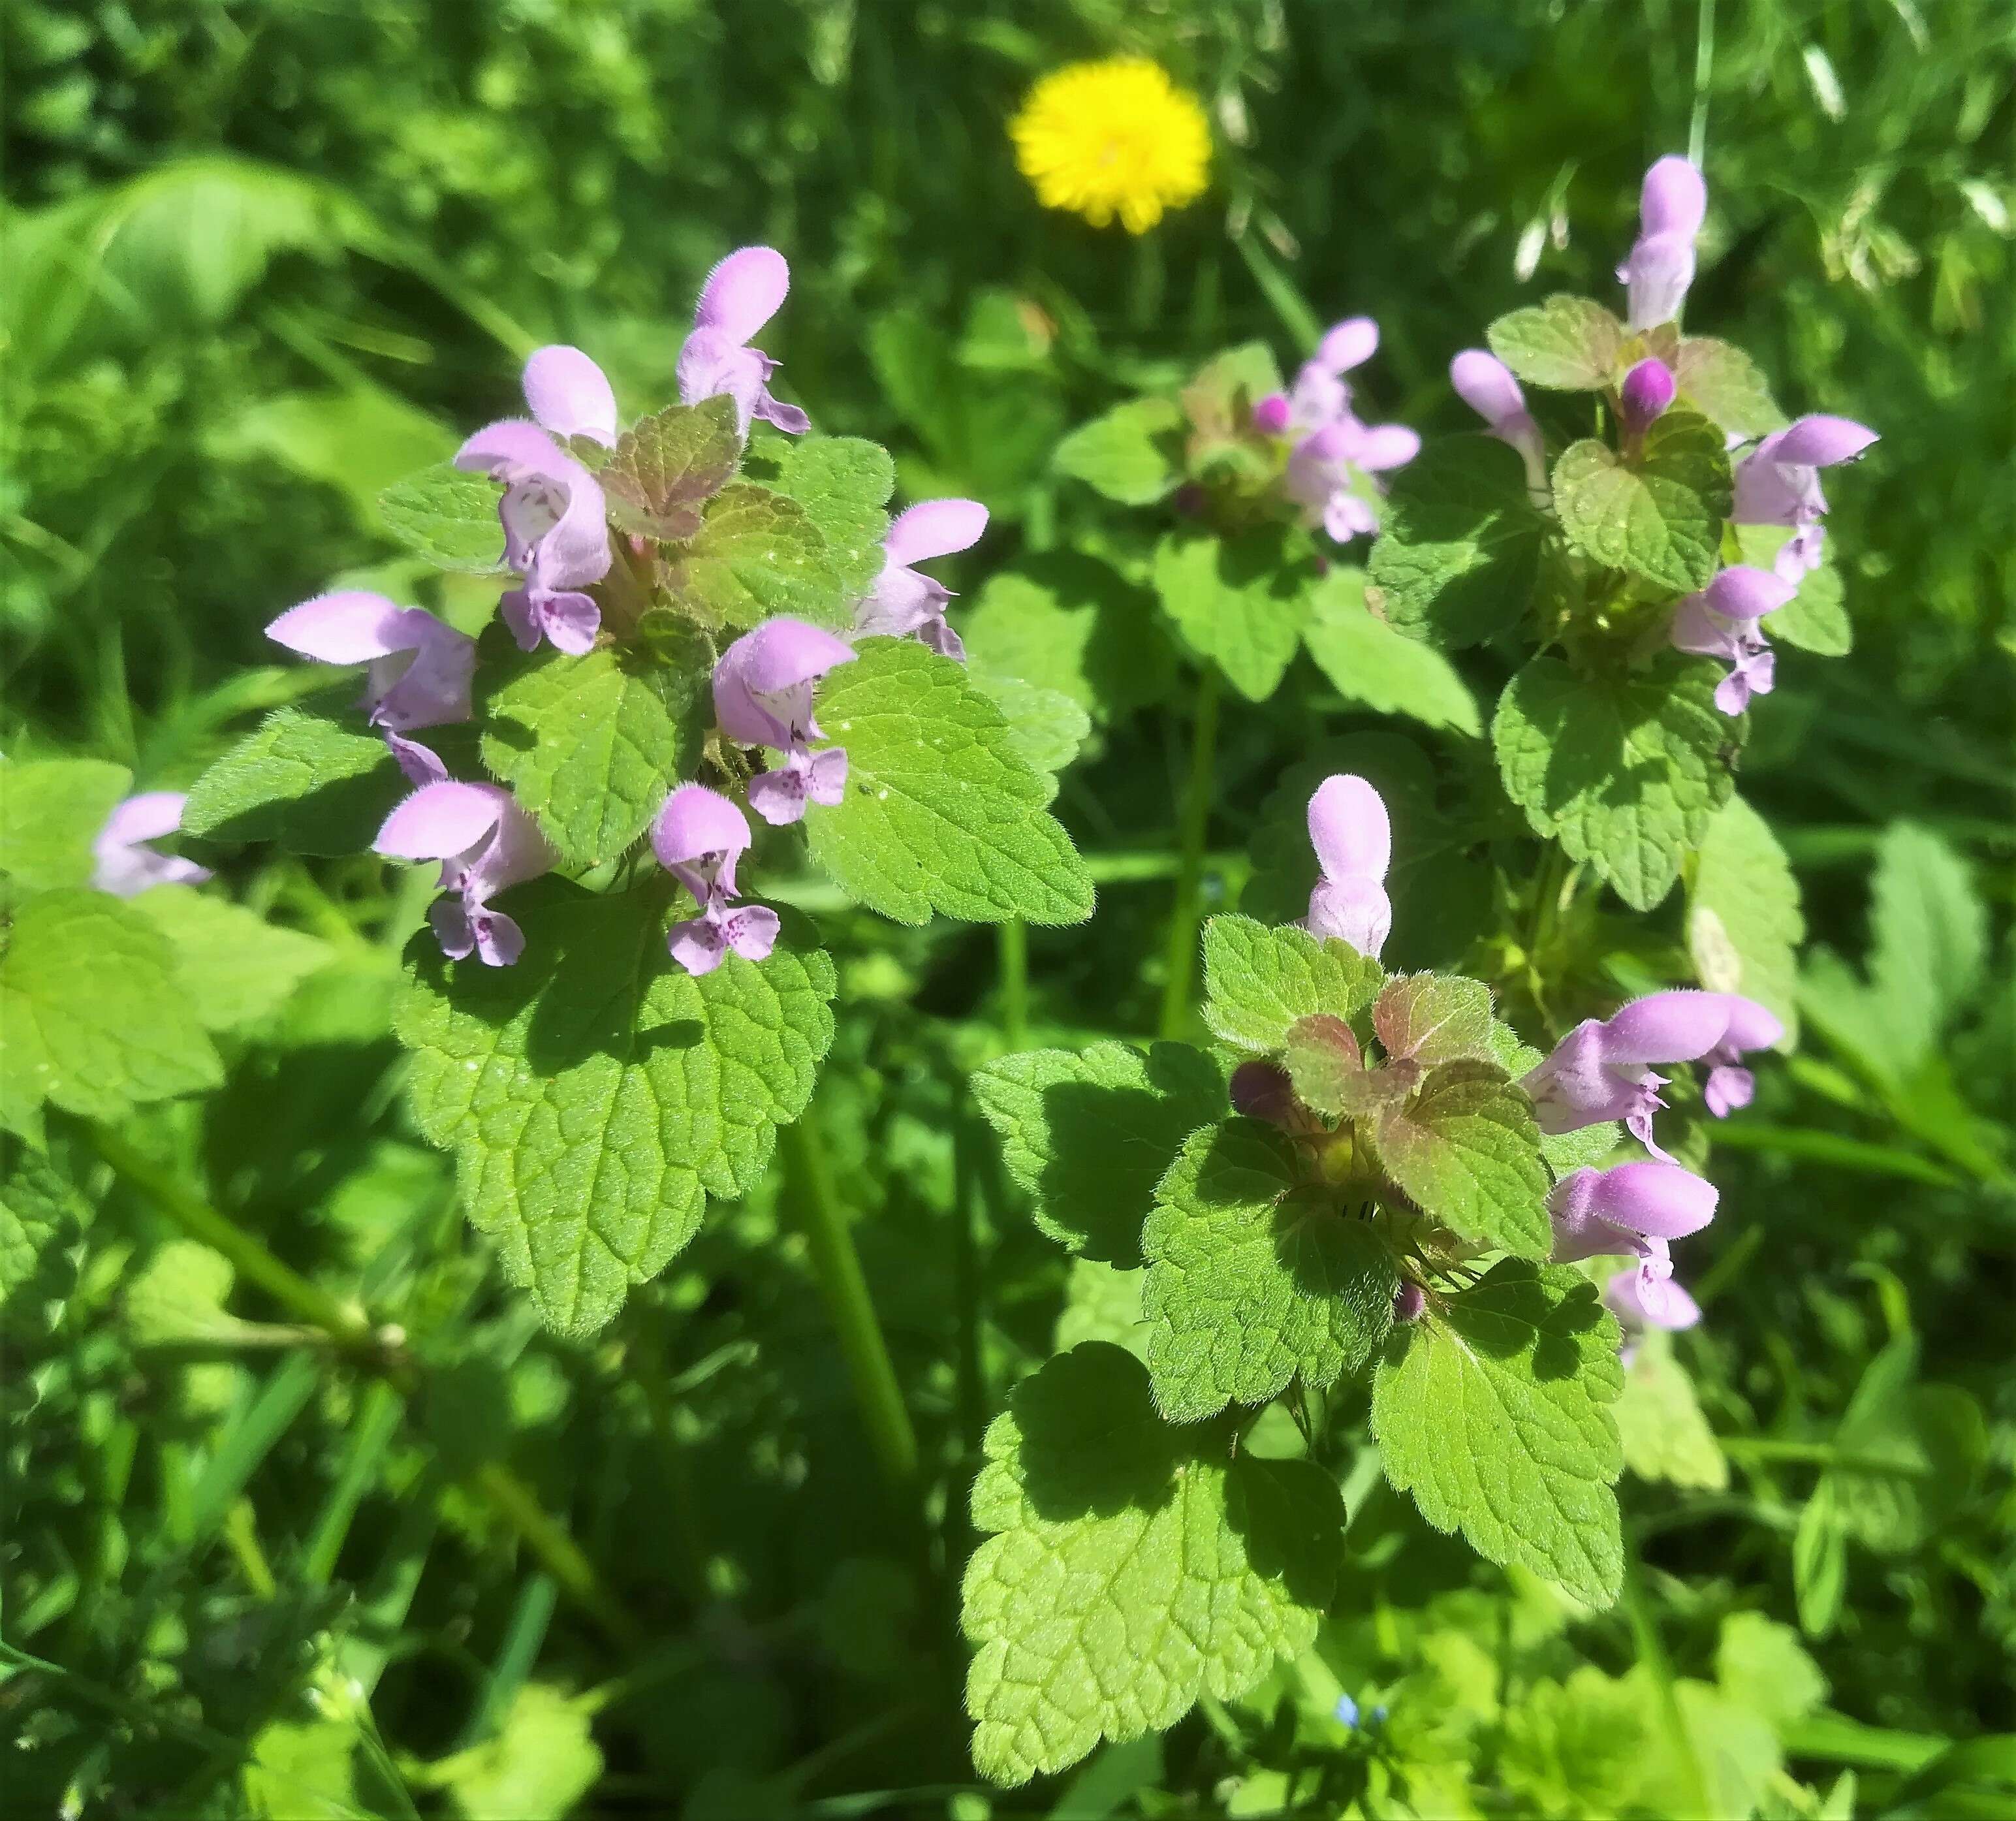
1114	137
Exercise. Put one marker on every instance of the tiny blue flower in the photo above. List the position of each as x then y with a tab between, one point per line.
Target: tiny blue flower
1379	1715
1346	1711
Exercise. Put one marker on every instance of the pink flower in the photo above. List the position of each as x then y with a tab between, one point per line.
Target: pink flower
1623	1208
1353	840
1331	470
569	396
1488	386
555	532
1778	483
901	601
484	843
125	866
1645	1295
1671	209
1730	1086
741	294
1722	620
1601	1070
699	837
1648	390
419	670
763	696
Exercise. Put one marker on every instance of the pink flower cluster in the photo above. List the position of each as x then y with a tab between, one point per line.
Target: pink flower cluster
419	672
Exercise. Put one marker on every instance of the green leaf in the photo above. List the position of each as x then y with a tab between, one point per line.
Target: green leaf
1917	1450
595	1094
1493	1412
307	781
1465	1149
1658	512
1258	980
1432	1018
96	1021
1573	1747
1328	1072
843	483
539	1764
448	517
233	965
1128	1568
1458	556
1929	936
51	811
1238	602
1045	727
666	466
1666	1437
1133	454
1089	1135
1102	1302
1744	922
756	554
592	745
1726	387
1568	344
1218	401
1368	662
1256	1276
939	814
1060	621
42	1215
1625	772
1815	619
1761	1668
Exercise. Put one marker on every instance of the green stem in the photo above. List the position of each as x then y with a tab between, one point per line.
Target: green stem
837	1266
1190	880
1014	955
548	1539
344	1323
1820	1454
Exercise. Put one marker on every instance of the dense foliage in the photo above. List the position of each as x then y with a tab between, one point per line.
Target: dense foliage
683	1320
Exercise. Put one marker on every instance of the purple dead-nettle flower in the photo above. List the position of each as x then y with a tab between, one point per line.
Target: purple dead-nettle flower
1647	391
1353	839
1332	469
1799	556
763	696
125	866
741	294
1729	1085
1485	384
1321	394
569	396
1671	209
699	838
555	532
1645	1295
1778	483
1603	1068
1723	621
484	843
1410	1303
902	600
418	672
1624	1208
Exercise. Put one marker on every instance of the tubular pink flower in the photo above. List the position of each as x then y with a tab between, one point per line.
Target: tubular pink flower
1730	1086
1618	1210
699	837
555	532
1648	390
1671	209
568	395
1600	1071
124	866
1353	839
741	294
902	602
485	843
1488	386
1331	470
419	670
1721	621
763	696
1778	483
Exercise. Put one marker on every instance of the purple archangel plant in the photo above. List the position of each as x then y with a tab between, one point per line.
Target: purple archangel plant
696	619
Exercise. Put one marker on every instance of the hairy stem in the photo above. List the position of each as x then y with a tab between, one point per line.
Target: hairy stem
837	1264
1013	942
1189	879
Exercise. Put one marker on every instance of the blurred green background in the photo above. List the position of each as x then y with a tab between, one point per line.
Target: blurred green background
263	257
